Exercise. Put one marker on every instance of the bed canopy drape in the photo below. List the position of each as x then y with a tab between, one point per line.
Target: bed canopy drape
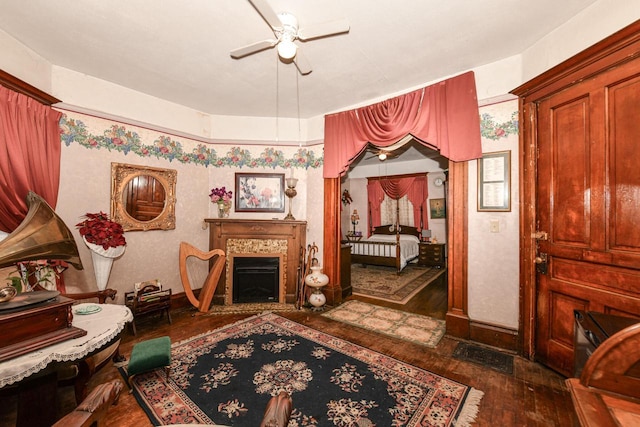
443	116
414	187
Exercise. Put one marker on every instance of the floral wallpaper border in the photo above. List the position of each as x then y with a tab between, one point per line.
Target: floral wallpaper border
118	137
493	130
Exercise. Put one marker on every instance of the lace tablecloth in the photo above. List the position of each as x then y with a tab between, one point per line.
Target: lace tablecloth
101	327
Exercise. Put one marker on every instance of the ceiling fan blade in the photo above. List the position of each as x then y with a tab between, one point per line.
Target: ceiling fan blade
303	65
253	48
267	13
323	30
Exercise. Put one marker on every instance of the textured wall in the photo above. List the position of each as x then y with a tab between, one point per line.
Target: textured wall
91	144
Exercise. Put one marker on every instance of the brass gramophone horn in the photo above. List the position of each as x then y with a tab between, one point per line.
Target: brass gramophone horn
41	235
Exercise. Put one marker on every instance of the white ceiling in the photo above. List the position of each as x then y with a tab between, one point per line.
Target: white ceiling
178	50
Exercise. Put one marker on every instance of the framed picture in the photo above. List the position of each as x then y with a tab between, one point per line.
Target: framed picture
259	192
438	208
494	182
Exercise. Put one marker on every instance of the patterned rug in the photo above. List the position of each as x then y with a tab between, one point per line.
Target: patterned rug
384	283
415	328
227	376
250	308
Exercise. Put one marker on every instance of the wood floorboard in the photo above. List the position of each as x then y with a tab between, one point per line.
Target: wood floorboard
532	396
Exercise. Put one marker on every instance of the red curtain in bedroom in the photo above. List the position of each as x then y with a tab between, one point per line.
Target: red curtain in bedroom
30	150
414	187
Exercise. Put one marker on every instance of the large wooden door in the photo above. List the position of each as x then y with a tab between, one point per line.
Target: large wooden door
587	206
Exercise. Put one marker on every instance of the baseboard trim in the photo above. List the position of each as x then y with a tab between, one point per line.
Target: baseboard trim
457	324
494	336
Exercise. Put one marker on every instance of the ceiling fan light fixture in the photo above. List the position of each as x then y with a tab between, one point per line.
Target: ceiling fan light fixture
287	49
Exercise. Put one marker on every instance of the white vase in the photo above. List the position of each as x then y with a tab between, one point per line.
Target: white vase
102	261
316	280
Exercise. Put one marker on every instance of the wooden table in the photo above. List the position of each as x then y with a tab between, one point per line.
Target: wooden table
34	374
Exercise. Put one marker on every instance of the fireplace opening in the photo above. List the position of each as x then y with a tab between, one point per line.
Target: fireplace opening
256	279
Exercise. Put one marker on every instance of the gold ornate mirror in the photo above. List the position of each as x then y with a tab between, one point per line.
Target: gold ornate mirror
142	197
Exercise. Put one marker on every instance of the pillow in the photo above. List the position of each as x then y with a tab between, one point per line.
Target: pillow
409	238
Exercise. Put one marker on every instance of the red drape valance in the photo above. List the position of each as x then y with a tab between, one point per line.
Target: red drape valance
30	150
415	188
444	116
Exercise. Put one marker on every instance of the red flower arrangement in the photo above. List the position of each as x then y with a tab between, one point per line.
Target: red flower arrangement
98	229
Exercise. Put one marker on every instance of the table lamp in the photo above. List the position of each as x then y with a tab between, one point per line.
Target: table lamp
291	193
354	220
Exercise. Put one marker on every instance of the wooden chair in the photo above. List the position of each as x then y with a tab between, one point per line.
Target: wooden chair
94	407
608	390
278	411
203	302
101	296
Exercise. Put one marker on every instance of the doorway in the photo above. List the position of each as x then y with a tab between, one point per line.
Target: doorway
457	191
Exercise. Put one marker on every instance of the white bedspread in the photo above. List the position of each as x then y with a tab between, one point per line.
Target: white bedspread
408	247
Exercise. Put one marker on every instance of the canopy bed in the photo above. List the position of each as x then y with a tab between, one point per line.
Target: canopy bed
392	244
389	245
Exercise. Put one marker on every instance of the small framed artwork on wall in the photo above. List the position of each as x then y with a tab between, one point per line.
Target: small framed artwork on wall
259	192
438	208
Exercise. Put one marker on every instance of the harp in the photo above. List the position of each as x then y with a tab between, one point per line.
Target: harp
203	302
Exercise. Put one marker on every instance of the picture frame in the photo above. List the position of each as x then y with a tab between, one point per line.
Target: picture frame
494	182
438	208
259	192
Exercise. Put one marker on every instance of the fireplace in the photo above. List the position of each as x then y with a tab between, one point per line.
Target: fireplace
245	238
256	279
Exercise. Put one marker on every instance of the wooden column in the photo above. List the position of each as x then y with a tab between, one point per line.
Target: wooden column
457	238
331	251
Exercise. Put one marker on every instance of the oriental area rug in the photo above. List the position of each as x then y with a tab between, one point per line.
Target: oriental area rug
228	375
253	308
384	283
418	329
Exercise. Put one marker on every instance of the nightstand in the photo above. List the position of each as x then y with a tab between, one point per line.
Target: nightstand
432	255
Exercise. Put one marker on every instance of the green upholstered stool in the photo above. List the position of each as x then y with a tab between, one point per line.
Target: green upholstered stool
149	355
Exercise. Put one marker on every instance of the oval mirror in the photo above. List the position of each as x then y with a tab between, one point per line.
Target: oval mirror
142	197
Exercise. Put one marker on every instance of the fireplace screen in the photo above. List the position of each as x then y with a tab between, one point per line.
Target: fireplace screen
256	279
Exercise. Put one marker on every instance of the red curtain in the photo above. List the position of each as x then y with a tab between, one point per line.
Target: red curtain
30	152
414	187
417	195
396	187
443	116
375	194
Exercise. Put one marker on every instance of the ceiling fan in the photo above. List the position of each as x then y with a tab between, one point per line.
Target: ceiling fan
285	28
382	155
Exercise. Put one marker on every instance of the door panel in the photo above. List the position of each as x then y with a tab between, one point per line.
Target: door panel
624	177
588	200
569	188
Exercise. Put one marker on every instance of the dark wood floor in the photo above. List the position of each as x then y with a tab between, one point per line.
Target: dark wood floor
532	396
